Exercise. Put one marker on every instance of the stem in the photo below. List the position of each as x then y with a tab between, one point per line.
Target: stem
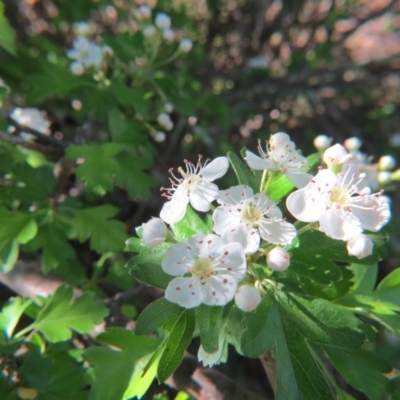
264	175
23	331
308	227
171	58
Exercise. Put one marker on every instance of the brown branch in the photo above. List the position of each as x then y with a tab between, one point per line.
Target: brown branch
269	364
30	145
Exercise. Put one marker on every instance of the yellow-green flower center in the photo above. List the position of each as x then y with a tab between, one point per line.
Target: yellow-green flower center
203	268
339	196
250	213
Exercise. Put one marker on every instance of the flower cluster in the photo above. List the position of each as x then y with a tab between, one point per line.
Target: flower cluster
216	268
31	118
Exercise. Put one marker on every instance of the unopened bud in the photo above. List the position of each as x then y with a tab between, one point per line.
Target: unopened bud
165	121
107	51
278	259
143	12
384	177
322	142
160	136
168	35
353	144
168	107
335	156
154	232
360	246
163	21
386	163
247	298
185	45
27	393
77	68
149	31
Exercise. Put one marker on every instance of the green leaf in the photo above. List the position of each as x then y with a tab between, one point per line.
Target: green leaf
279	187
36	370
189	225
146	266
11	313
124	130
62	313
105	235
179	338
363	370
242	171
131	97
209	320
7	33
113	367
156	315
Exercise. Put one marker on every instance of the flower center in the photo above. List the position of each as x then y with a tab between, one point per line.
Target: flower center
339	196
190	182
202	269
250	213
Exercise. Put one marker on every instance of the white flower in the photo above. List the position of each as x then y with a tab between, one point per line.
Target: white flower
335	156
281	155
165	121
77	68
82	28
208	271
322	142
32	118
258	62
163	21
154	232
353	144
143	12
87	53
387	163
278	259
341	207
185	45
255	215
168	35
247	298
360	246
193	186
149	31
361	163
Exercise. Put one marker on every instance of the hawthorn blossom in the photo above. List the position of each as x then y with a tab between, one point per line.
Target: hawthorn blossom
207	271
278	259
185	45
85	52
322	142
32	118
255	215
194	187
154	232
342	209
335	157
281	155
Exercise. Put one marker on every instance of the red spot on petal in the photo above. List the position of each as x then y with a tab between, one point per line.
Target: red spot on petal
178	288
209	241
213	293
226	253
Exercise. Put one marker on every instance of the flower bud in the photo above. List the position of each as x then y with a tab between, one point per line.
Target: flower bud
360	246
278	259
386	163
107	51
353	144
322	142
149	31
82	29
168	35
185	45
77	68
384	177
335	156
163	21
168	107
165	121
247	298
394	140
154	232
160	136
143	12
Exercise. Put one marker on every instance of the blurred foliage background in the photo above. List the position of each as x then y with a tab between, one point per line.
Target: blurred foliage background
72	196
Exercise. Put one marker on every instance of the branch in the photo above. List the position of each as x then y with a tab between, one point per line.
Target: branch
30	145
269	364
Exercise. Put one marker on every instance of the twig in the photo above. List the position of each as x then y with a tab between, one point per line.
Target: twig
30	145
269	364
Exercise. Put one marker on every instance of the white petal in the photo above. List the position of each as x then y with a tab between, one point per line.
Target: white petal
277	231
267	206
202	195
175	209
186	292
154	232
279	139
179	259
232	261
225	219
256	162
215	169
234	195
339	224
248	238
219	290
302	207
373	213
209	246
300	179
